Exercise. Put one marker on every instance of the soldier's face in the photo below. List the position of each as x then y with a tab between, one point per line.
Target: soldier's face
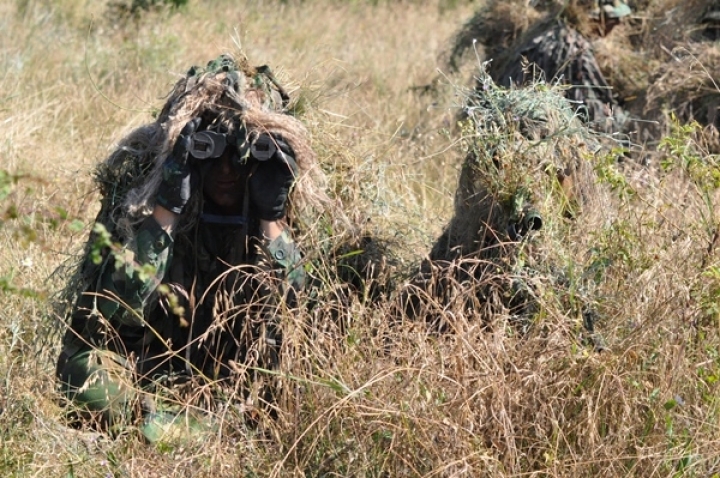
223	184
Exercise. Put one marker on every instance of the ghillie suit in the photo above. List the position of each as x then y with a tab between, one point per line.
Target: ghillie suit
561	54
662	62
217	296
527	176
230	94
494	28
547	42
129	178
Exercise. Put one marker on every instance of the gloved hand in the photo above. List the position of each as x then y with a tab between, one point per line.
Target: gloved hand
271	180
176	186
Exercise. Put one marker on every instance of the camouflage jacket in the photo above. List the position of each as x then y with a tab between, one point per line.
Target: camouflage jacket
200	296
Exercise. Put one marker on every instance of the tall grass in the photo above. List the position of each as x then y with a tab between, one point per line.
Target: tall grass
362	395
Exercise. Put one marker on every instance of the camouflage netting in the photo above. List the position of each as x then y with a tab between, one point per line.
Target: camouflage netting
527	180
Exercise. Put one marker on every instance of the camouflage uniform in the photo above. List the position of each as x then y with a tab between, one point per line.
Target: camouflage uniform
198	305
128	331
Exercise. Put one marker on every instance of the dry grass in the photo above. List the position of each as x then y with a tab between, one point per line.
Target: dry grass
362	394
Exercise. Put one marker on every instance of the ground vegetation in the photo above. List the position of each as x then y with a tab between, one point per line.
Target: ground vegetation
587	346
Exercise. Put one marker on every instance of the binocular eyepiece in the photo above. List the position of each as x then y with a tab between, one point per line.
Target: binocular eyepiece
210	145
207	145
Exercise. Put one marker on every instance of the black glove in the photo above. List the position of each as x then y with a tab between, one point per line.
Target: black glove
271	180
176	186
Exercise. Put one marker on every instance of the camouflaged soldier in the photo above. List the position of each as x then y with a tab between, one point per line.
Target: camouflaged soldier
556	47
561	50
205	256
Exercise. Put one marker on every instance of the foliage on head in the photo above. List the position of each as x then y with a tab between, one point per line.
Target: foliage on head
227	94
521	146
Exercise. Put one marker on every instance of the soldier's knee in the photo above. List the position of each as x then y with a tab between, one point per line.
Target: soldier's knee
97	385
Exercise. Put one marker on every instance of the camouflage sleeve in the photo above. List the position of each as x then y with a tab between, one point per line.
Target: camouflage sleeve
128	282
285	254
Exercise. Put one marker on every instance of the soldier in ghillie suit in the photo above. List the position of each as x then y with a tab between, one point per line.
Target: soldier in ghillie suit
192	258
550	41
527	177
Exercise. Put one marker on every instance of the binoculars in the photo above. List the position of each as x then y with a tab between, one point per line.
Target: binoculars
210	145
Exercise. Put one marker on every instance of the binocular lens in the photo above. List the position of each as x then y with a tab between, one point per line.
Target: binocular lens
263	148
207	144
533	222
210	145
